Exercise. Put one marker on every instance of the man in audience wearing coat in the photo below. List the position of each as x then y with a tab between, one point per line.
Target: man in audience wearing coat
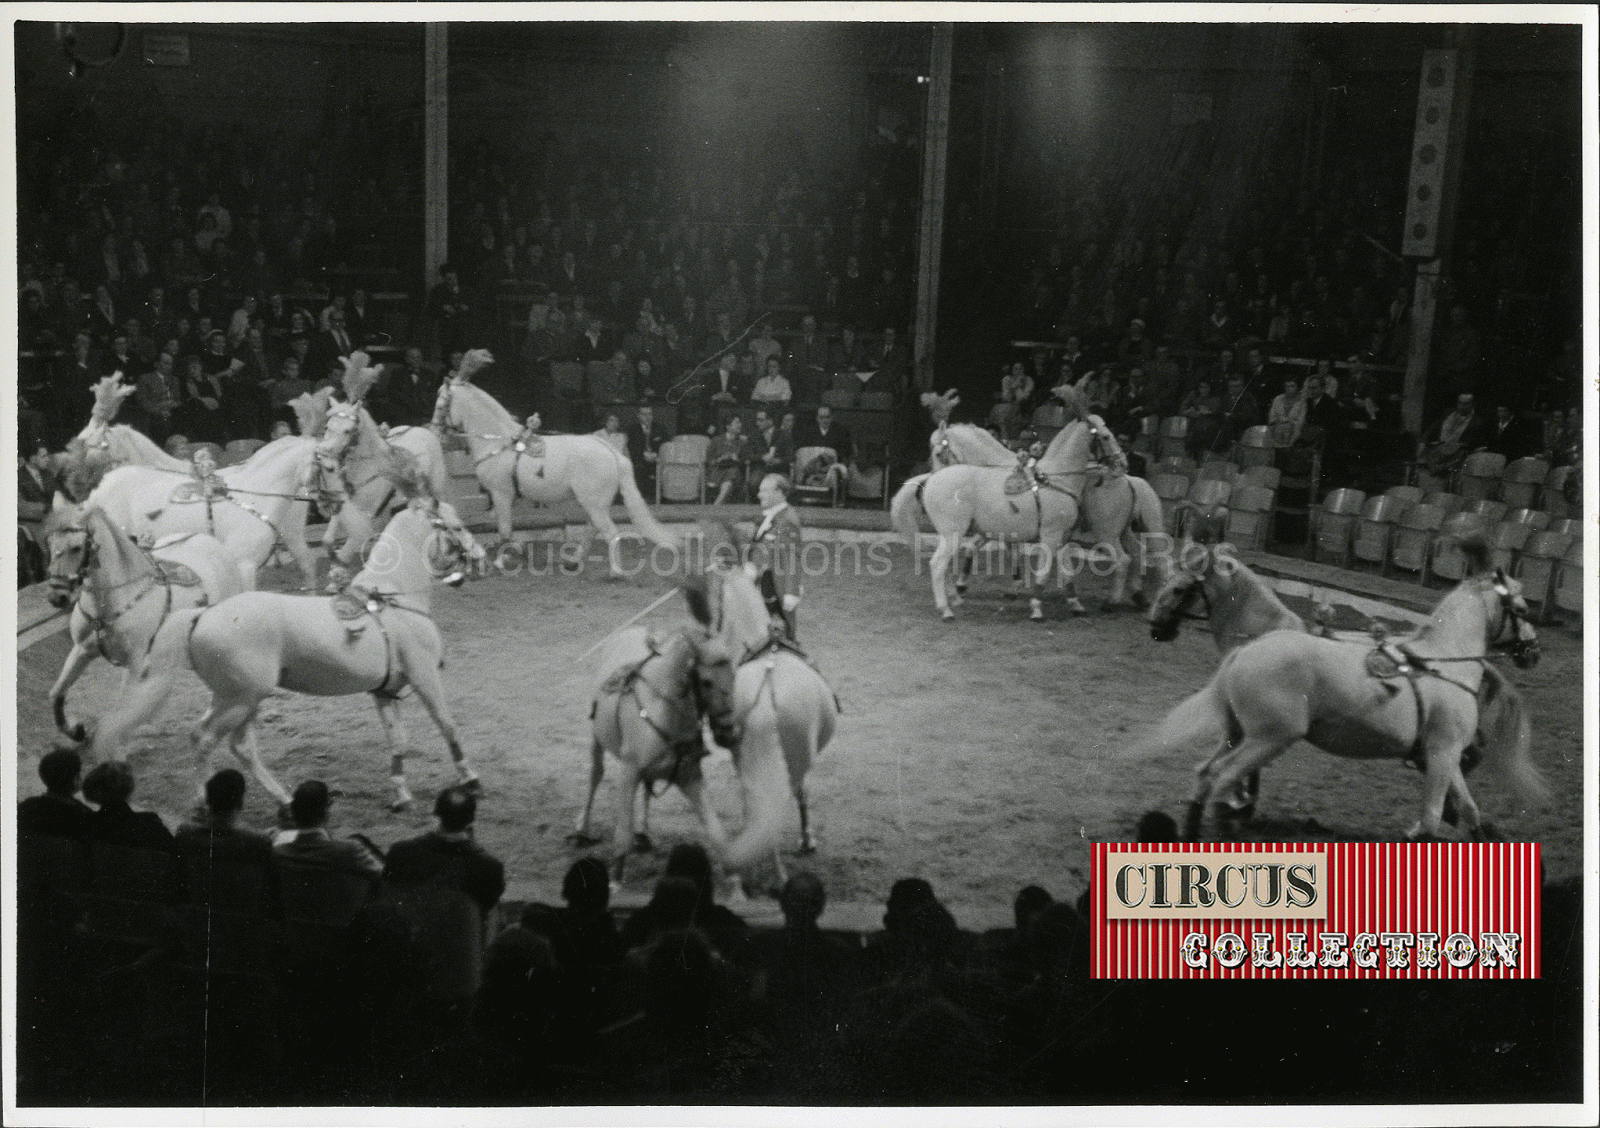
449	856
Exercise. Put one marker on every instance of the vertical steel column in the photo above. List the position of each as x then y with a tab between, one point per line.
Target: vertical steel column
435	150
1424	306
930	236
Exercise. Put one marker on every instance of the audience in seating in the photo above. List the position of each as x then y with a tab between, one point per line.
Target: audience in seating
58	811
310	844
109	786
449	856
703	1006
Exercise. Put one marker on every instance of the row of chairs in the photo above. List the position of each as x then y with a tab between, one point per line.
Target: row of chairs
230	453
682	475
1250	495
1168	438
1525	483
1408	530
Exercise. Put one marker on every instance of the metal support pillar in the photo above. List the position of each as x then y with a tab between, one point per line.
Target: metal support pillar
1424	308
435	150
930	235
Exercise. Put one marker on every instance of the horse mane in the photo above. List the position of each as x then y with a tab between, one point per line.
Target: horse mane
130	560
1056	458
128	445
989	447
485	402
698	597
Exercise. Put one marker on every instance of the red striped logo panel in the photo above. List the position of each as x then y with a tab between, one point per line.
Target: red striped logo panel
1330	910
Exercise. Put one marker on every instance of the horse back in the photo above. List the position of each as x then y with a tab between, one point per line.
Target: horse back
265	640
206	557
1319	685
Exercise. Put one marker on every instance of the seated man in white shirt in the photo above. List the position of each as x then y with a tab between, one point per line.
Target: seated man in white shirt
772	389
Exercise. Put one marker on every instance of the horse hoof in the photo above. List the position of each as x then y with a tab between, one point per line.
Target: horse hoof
473	786
400	806
1036	611
806	849
285	819
642	844
579	838
77	734
947	614
1076	607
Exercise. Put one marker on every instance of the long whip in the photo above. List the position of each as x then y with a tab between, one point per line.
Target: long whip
624	626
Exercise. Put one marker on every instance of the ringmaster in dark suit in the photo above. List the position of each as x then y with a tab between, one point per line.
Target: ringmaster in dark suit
775	552
448	856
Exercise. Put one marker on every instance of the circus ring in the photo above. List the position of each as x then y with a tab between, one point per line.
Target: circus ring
983	755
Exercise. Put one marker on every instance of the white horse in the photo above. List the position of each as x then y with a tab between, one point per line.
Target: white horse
262	505
512	462
1428	697
375	470
647	707
120	594
1041	509
376	638
785	710
1116	506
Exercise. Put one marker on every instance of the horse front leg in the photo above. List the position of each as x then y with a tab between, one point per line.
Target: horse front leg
395	733
500	502
294	539
622	832
1442	761
1037	575
582	836
84	650
430	691
248	751
609	532
938	567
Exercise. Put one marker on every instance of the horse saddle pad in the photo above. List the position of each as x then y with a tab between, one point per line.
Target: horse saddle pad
177	575
353	603
1019	481
532	446
1386	664
189	493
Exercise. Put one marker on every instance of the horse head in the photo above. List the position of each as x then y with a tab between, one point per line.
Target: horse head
711	681
1172	603
450	541
1523	643
71	550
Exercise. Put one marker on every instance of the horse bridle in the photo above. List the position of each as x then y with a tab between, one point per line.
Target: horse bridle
106	620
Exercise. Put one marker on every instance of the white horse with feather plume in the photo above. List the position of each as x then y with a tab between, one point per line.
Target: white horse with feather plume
1116	507
512	461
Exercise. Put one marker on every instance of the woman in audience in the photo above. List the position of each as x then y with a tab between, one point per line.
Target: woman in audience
725	459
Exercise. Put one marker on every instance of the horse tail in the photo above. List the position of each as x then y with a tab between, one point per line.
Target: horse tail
638	512
765	779
1147	506
1505	737
904	508
1203	714
149	685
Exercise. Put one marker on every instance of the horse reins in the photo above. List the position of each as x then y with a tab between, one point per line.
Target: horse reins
102	624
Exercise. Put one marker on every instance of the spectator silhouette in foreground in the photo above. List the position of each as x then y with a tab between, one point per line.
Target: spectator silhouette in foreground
587	935
215	831
310	844
724	928
58	811
109	786
449	856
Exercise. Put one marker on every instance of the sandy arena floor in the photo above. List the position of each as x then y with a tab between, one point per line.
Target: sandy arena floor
982	755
